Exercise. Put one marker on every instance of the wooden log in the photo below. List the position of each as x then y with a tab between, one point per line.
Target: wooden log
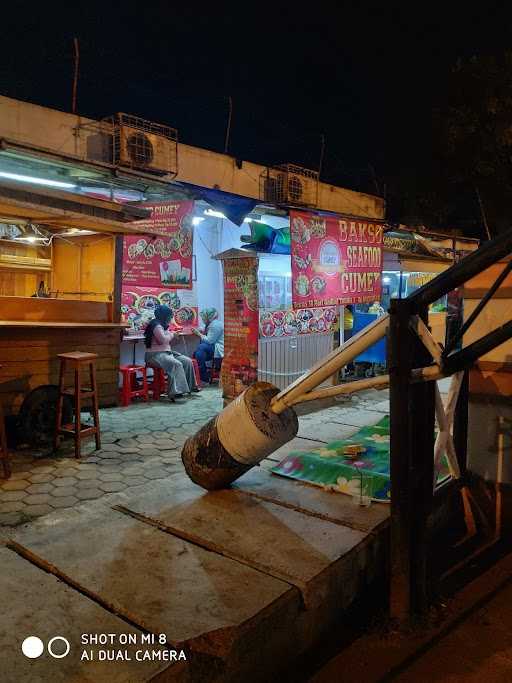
244	433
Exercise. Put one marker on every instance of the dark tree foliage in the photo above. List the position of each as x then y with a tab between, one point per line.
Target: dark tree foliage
473	135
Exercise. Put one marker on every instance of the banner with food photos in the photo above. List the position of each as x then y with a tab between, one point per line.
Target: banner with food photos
164	261
240	364
138	306
335	260
303	321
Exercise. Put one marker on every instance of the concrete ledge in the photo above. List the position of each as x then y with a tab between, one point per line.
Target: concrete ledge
35	603
242	583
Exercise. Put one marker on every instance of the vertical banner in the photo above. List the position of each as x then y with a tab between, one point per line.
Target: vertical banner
335	260
164	261
240	364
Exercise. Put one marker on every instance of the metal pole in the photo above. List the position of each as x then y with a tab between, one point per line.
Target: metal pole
421	472
228	128
469	354
460	424
75	77
412	408
400	366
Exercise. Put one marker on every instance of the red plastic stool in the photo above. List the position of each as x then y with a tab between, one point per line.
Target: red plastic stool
197	375
129	387
159	383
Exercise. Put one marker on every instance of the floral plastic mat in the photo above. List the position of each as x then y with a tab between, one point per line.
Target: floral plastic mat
365	477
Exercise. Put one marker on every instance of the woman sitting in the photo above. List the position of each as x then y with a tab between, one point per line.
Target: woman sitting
178	368
211	347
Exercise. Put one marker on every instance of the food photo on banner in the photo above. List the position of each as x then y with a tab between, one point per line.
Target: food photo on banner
138	306
164	261
295	322
335	260
240	364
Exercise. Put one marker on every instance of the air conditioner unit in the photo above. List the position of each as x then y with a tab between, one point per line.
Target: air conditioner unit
144	146
273	188
289	184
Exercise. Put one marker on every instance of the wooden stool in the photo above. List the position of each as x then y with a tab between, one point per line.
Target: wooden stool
4	455
75	360
129	389
158	386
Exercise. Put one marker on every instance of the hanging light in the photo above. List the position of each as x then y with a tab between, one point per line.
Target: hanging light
35	236
37	181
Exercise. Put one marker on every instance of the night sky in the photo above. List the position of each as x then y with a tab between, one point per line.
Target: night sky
366	75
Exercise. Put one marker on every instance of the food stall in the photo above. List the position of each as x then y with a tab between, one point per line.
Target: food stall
59	292
290	340
409	260
304	274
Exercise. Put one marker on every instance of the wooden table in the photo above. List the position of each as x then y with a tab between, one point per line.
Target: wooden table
186	340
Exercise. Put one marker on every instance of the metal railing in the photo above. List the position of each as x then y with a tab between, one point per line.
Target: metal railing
415	361
413	408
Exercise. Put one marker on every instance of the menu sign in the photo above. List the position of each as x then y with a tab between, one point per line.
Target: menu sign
164	261
290	323
334	260
240	364
138	306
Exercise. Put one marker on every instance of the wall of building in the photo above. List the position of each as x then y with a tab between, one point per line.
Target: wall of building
83	268
207	241
16	280
67	134
490	381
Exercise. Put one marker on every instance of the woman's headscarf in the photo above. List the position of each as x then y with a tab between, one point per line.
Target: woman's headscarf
207	316
163	317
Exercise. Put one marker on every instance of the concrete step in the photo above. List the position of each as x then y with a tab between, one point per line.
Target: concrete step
35	603
314	500
243	579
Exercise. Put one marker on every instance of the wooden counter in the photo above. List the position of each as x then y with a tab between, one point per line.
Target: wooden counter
30	323
34	331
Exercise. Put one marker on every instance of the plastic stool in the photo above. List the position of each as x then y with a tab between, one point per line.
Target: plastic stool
129	388
158	386
77	360
197	375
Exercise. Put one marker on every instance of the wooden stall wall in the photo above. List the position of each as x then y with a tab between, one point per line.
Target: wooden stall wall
22	268
490	381
29	359
493	373
33	333
84	268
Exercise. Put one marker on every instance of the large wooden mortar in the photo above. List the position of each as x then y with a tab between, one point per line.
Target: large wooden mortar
242	435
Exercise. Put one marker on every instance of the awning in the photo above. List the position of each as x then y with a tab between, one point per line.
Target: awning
234	206
61	210
424	265
407	261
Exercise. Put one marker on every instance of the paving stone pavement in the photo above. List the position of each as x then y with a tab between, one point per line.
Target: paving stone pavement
140	443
